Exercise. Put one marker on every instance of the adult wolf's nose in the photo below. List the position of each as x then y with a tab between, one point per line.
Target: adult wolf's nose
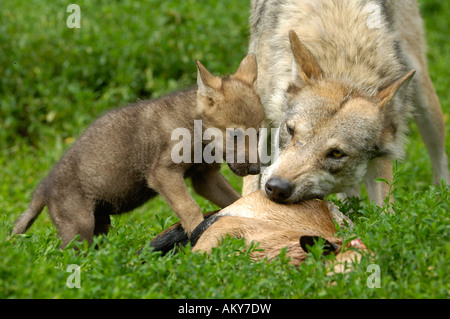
278	189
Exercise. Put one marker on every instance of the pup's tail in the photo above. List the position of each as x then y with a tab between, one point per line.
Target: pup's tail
29	216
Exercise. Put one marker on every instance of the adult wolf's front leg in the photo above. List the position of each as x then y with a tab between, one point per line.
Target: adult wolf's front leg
378	191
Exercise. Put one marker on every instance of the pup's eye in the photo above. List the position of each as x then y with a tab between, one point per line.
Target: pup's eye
290	130
336	154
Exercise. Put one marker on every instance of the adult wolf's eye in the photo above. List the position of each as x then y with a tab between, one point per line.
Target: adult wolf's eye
336	154
290	130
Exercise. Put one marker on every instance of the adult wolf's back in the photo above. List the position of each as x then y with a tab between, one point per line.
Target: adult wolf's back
339	90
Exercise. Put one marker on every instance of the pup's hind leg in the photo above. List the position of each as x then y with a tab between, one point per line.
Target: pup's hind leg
431	124
72	216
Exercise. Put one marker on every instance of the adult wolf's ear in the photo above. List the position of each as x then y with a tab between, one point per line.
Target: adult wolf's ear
304	67
400	86
207	83
248	69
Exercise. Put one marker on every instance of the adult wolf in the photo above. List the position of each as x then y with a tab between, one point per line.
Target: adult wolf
337	78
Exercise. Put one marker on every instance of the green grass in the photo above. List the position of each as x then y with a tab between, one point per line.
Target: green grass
55	81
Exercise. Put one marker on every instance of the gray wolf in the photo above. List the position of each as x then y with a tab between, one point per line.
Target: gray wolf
340	79
273	226
124	158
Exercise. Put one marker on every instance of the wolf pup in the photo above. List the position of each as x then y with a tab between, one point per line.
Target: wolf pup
333	76
124	158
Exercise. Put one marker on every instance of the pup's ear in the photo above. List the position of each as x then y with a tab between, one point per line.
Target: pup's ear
304	67
248	69
306	242
207	83
400	86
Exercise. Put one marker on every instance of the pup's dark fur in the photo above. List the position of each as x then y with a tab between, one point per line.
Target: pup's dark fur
124	158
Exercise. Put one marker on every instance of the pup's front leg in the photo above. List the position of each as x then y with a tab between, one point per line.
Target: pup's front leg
213	186
171	186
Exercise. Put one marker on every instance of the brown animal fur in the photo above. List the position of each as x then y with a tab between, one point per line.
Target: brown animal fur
273	226
124	158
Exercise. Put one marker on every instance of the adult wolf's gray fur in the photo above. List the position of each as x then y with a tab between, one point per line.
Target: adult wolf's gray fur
340	79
